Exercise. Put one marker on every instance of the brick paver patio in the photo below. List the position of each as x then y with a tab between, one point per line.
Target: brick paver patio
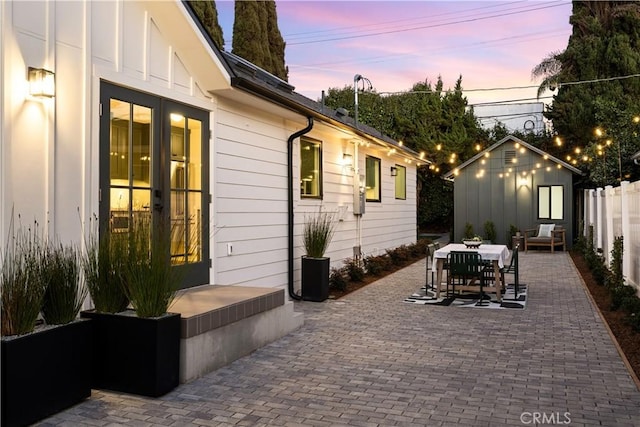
372	360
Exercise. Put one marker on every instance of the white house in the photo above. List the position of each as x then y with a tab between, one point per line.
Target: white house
149	118
522	117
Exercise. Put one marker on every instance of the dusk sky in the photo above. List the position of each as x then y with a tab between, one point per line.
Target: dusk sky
398	43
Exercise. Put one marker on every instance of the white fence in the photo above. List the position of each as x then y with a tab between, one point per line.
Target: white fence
615	212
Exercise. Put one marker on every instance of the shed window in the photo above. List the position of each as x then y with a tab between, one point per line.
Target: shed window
551	202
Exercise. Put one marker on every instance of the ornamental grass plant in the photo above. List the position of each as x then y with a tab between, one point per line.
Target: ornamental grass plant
21	286
150	280
103	266
65	291
317	234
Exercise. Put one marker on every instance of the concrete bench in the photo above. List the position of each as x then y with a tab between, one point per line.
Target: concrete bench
223	323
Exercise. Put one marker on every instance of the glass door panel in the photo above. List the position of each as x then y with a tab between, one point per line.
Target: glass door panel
130	148
154	171
186	185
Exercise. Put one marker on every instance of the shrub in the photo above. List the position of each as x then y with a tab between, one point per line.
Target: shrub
419	248
468	231
338	280
103	265
634	320
21	286
151	282
622	296
354	270
490	231
375	265
65	291
580	243
398	255
317	234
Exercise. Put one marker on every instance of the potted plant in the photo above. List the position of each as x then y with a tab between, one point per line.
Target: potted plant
138	350
45	368
473	242
317	233
490	231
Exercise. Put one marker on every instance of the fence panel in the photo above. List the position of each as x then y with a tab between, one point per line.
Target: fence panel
616	212
632	242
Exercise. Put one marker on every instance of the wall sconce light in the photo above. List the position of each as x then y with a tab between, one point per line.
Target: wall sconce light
42	83
347	160
394	171
523	181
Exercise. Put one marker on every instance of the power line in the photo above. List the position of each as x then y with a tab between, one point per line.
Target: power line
578	82
292	36
401	30
507	40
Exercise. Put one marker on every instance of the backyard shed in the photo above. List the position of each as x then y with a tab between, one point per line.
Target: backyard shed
514	185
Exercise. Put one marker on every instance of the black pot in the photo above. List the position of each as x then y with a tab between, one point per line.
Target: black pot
45	372
135	355
315	278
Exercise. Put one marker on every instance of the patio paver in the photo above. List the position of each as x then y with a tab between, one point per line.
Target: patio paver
371	360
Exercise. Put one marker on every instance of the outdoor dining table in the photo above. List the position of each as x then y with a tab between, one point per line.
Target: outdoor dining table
497	254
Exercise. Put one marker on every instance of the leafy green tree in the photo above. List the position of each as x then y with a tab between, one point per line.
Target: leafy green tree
593	90
256	36
426	118
207	13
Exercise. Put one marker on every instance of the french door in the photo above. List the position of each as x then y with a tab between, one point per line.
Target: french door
154	167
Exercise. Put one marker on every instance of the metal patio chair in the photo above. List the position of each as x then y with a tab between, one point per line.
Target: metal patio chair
465	267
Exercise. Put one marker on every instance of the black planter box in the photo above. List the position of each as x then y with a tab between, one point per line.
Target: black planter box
315	279
45	372
135	355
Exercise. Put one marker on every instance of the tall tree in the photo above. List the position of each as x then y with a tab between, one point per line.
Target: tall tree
207	13
603	50
426	118
256	36
276	42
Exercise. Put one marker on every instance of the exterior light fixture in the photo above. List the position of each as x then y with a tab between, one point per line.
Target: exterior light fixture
394	171
41	83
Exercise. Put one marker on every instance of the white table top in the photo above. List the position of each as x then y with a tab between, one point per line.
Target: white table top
498	253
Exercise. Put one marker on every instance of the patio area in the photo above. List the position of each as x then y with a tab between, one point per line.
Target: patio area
371	360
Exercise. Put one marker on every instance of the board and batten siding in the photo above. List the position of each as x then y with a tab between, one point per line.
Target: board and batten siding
481	194
49	155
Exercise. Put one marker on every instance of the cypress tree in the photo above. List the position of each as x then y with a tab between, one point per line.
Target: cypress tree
256	36
249	33
207	13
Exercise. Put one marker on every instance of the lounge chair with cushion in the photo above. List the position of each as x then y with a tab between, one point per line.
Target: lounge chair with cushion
546	235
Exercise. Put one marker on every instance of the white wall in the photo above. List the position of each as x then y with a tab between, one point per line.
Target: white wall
49	158
250	197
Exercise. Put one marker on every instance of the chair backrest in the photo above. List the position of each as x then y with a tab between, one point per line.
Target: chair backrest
431	250
513	264
466	264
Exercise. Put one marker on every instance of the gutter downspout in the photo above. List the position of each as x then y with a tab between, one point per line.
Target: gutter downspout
297	134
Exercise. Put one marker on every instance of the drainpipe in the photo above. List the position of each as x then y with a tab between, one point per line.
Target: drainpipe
299	133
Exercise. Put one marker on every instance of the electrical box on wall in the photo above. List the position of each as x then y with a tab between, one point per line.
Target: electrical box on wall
358	202
358	198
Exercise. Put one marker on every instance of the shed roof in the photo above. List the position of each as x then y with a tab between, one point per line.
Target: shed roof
511	138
